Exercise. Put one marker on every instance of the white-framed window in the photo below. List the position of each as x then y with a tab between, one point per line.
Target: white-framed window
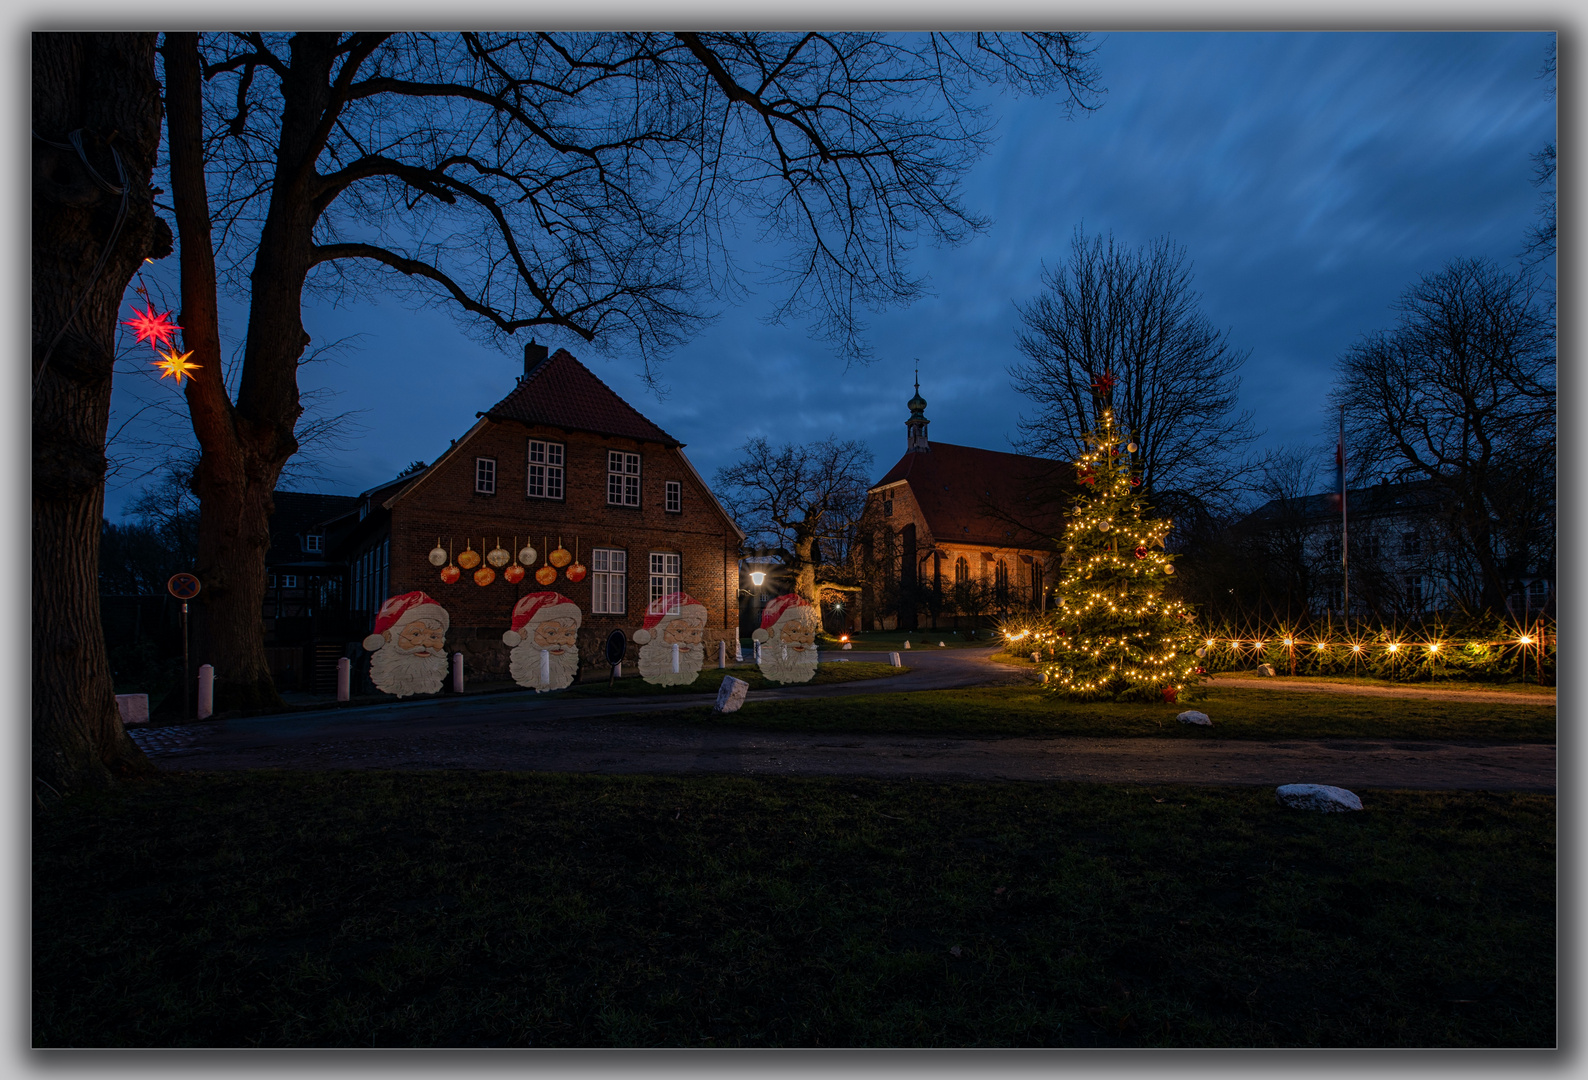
664	577
289	581
545	469
313	542
623	478
609	581
675	497
485	476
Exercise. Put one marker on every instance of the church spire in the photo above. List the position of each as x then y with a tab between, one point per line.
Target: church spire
915	426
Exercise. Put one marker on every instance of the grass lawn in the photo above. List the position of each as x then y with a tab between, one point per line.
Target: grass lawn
1524	689
1237	713
452	909
710	679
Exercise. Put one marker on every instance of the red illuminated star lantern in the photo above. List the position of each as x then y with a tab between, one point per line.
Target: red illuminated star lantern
155	329
175	365
1104	384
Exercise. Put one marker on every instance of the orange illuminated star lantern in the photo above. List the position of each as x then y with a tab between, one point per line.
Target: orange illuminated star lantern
155	329
176	365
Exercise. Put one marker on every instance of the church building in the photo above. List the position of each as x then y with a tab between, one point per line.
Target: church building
955	534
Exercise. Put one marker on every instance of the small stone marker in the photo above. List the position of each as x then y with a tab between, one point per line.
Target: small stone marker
1191	716
846	644
731	695
134	708
1318	797
1266	670
942	644
906	643
893	660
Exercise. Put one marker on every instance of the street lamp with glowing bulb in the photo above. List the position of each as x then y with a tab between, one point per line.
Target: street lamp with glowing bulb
757	577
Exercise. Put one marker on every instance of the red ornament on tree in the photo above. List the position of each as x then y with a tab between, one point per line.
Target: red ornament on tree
1104	384
1170	694
1141	553
155	329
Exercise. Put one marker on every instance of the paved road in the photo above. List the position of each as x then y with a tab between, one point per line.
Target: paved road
559	733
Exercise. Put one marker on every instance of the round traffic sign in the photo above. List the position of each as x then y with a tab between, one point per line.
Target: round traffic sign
183	586
617	645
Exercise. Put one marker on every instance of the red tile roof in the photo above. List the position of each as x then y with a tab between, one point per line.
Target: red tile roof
985	497
561	392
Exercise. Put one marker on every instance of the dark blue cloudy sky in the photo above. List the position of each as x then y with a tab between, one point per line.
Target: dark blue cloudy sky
1311	178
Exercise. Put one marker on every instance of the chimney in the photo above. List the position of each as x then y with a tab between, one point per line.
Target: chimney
534	356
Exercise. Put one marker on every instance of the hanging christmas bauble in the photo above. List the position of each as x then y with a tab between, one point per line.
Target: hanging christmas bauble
1141	553
577	571
1105	526
1201	653
1168	568
527	555
559	557
514	574
1135	481
1131	447
451	574
545	575
498	556
438	555
469	558
484	576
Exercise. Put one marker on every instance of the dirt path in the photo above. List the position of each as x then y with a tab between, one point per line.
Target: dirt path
567	734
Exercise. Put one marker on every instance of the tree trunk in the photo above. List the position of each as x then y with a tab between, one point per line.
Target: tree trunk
103	88
243	447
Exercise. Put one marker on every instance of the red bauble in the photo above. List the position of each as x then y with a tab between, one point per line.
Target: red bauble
514	574
1135	481
451	574
1141	553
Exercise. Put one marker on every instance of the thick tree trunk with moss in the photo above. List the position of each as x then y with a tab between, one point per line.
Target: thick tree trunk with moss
88	241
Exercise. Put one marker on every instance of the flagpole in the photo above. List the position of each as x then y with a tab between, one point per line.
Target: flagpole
1345	548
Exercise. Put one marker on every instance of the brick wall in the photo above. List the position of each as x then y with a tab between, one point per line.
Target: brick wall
444	504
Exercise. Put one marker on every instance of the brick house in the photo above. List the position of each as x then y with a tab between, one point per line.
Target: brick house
560	459
953	531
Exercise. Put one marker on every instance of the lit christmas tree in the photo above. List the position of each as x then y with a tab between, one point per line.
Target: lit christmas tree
1115	633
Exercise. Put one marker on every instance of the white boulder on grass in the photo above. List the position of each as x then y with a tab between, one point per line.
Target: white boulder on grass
1191	716
1318	797
731	695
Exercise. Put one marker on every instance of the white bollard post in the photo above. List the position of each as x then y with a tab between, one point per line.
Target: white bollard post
206	695
344	679
675	658
617	670
545	668
738	651
906	643
722	654
457	673
893	660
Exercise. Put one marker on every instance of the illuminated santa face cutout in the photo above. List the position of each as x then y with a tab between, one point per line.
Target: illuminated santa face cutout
788	640
544	641
672	641
408	646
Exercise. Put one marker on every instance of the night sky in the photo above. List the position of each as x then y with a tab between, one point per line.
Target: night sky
1311	178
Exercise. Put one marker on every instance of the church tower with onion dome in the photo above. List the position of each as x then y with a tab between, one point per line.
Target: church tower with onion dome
915	426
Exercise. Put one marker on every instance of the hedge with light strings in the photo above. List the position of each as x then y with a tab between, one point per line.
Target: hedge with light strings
1513	650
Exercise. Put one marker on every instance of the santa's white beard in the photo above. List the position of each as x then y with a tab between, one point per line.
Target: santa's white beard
401	673
656	663
782	663
525	666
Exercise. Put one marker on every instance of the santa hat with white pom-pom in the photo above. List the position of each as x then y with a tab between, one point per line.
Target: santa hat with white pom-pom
399	611
672	606
537	607
782	608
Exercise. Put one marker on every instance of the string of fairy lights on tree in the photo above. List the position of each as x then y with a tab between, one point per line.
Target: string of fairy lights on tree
1114	631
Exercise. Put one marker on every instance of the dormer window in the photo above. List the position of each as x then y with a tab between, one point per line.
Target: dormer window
314	542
